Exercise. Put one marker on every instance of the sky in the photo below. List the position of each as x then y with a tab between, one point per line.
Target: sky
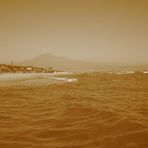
101	31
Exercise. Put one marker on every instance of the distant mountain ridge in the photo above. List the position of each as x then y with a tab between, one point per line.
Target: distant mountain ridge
60	63
65	64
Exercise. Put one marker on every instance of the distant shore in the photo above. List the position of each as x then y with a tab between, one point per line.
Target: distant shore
4	68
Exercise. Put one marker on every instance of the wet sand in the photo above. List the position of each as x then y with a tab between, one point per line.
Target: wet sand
97	111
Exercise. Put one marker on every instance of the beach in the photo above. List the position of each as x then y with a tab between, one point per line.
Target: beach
99	110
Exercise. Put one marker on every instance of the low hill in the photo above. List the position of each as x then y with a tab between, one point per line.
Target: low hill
60	63
66	64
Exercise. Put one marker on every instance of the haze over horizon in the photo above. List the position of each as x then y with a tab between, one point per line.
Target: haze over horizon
101	31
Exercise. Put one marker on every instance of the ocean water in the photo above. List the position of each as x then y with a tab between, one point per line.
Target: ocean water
98	111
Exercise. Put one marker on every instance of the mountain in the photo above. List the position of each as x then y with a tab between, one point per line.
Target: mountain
60	63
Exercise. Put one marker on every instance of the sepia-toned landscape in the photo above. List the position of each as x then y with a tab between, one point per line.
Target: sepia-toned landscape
73	74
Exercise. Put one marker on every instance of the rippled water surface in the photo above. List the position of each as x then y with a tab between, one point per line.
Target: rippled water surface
98	111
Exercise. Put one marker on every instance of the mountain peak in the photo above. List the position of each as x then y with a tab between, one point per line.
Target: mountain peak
60	63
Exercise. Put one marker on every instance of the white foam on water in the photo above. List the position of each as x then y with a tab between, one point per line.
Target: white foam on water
18	76
65	79
22	76
33	78
125	72
146	72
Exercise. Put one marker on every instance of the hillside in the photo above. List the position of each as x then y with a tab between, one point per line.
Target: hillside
60	63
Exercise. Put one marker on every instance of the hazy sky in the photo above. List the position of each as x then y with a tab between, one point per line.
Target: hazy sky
91	30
